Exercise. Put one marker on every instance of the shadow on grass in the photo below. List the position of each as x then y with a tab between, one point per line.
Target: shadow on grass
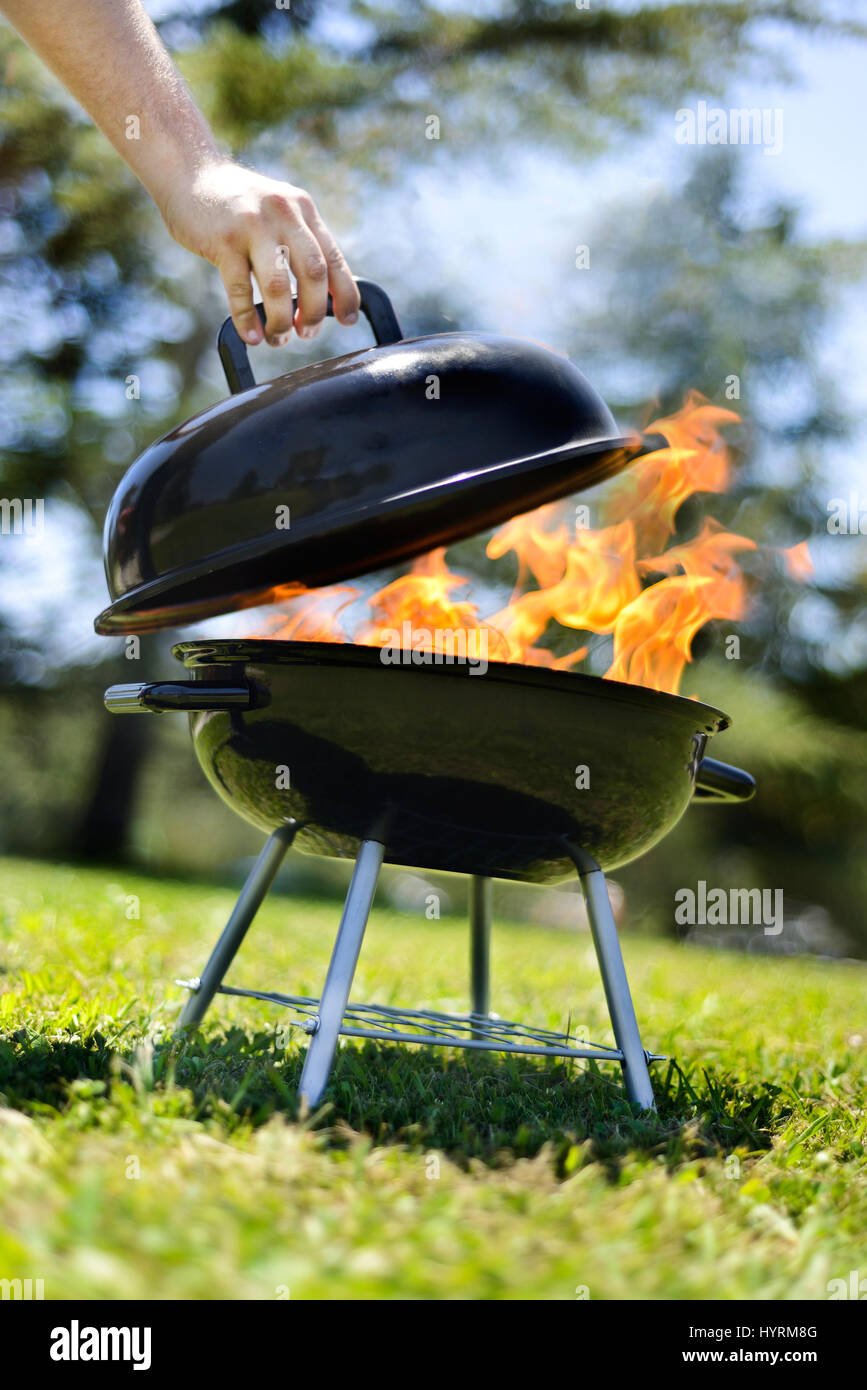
473	1106
37	1070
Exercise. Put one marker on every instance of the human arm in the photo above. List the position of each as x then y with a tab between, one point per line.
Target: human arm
109	56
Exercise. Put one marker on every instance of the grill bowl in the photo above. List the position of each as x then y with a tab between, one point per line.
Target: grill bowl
469	773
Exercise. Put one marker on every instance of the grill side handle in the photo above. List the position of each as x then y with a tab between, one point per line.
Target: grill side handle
715	781
162	697
376	307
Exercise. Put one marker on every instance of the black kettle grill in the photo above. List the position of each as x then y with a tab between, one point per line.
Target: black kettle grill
373	457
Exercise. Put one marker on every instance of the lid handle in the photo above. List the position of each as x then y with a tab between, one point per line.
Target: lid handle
375	305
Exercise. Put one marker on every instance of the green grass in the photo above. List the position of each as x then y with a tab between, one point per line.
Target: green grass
131	1168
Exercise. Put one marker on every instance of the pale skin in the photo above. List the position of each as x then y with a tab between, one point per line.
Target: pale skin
109	56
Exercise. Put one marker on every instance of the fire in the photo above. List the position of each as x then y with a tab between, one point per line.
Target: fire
653	634
422	598
798	562
696	459
604	581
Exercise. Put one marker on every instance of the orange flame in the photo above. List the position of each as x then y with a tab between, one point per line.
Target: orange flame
591	581
798	562
653	634
697	459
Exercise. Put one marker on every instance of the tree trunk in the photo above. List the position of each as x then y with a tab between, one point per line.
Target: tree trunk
103	831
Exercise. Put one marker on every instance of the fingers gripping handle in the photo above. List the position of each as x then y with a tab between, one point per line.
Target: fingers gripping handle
375	306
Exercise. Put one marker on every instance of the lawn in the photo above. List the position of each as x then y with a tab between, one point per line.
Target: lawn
130	1167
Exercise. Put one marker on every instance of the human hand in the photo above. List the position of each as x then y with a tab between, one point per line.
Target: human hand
244	222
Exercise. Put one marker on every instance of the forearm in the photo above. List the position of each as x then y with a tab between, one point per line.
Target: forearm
108	54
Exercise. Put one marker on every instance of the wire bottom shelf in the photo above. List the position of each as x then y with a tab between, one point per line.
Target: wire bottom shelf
484	1033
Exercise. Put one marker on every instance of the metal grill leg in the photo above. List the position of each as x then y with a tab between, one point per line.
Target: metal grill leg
481	896
338	982
635	1070
250	900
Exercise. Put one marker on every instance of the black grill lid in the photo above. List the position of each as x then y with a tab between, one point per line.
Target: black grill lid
347	466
